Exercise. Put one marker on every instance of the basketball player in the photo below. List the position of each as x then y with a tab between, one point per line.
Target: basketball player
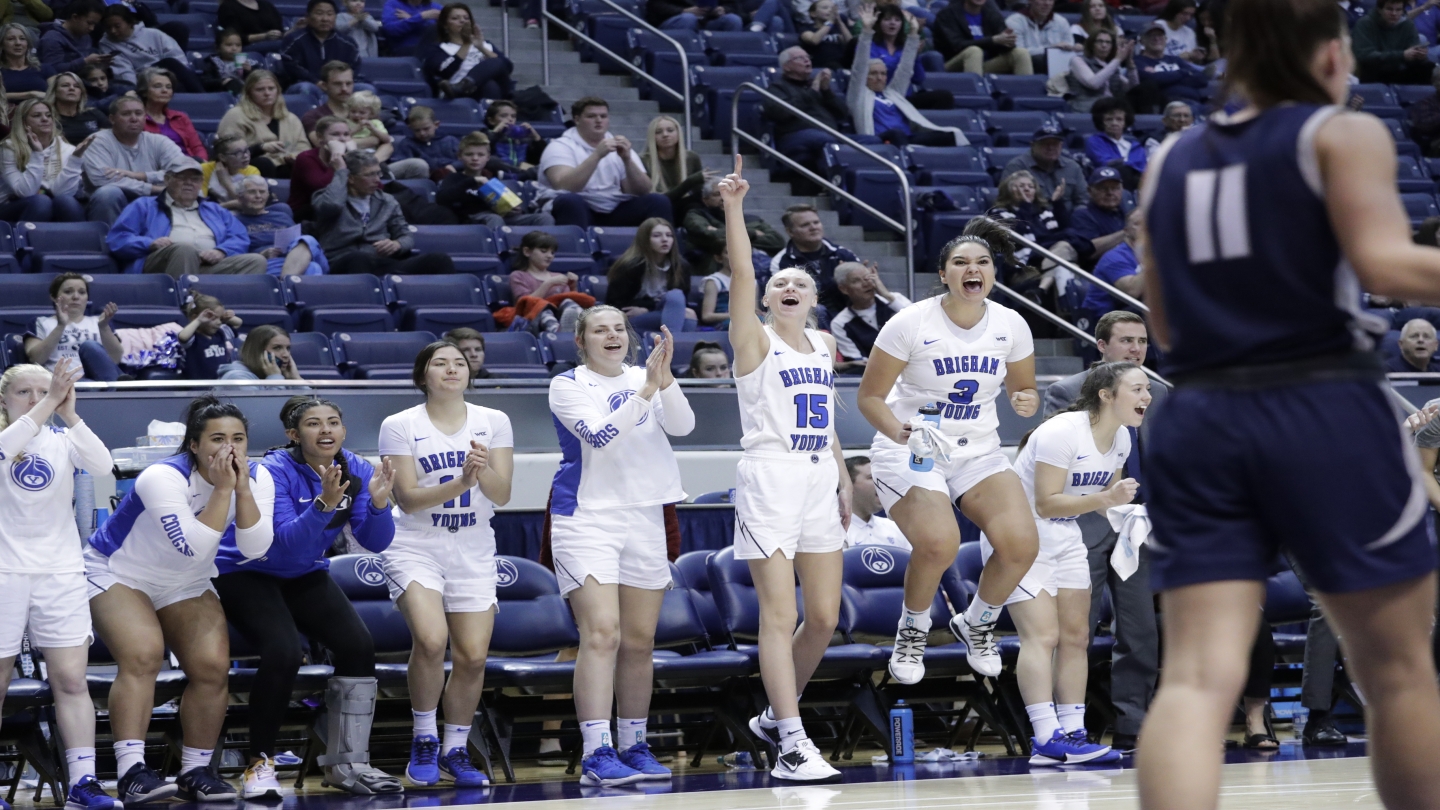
150	569
42	573
949	355
1263	225
453	465
792	493
1070	465
607	531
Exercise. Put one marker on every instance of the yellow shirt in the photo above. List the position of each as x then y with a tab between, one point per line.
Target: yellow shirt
208	168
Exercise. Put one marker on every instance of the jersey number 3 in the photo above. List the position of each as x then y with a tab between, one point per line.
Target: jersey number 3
812	410
1217	220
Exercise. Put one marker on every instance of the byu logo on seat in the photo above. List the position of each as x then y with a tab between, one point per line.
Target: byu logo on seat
370	571
506	574
878	560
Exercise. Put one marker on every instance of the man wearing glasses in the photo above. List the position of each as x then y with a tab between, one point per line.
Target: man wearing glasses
362	229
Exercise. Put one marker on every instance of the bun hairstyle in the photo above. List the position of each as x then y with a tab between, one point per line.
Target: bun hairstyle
1102	377
291	414
996	238
199	413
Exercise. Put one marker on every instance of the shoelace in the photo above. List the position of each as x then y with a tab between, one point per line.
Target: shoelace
458	761
425	752
89	788
1078	737
983	638
910	645
263	770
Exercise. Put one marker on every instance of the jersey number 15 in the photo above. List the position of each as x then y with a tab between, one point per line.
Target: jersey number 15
812	410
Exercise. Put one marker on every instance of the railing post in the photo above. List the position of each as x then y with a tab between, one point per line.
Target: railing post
684	63
545	46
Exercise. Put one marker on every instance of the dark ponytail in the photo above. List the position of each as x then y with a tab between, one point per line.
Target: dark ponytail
199	413
996	238
1102	377
291	414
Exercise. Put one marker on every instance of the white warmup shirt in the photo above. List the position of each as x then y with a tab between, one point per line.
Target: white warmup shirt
37	487
614	445
960	370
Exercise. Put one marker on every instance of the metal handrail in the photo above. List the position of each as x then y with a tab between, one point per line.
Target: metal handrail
505	28
1085	274
906	230
1067	326
683	95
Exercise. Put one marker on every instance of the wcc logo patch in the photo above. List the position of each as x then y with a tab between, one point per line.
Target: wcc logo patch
370	571
878	560
620	398
32	473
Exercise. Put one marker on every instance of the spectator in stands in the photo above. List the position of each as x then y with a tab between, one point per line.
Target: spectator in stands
887	25
85	339
471	344
77	120
715	291
810	250
1101	71
97	86
705	228
1096	15
265	355
708	361
337	82
19	69
1051	169
178	233
221	176
1026	212
305	52
273	134
362	229
300	256
1120	337
461	64
1418	344
1121	268
315	168
1038	28
538	292
357	24
1180	41
126	162
424	154
1099	225
257	22
177	30
139	47
68	46
226	69
775	16
674	170
29	13
406	22
39	171
676	16
650	282
1110	145
599	176
1424	118
369	132
826	35
511	141
1388	49
467	194
866	527
878	105
813	96
1165	78
208	339
155	87
973	37
869	306
1178	117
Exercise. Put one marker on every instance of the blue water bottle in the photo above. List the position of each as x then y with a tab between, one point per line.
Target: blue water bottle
902	734
931	414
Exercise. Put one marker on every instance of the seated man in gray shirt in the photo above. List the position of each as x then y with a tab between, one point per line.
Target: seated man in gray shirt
125	162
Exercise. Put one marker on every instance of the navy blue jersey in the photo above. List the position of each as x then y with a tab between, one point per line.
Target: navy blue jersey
1249	266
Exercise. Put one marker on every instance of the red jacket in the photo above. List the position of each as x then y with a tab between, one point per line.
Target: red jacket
311	173
190	142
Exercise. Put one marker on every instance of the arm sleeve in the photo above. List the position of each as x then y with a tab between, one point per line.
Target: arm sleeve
293	530
86	450
589	423
125	239
22	183
1054	444
69	180
255	541
909	70
235	240
1091	79
373	529
165	491
1057	399
329	202
395	437
895	338
678	418
15	437
400	229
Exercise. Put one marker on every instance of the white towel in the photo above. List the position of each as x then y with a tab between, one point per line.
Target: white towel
927	441
1132	523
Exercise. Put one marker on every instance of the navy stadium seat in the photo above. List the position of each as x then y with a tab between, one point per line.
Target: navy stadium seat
205	109
361	578
497	290
1407	94
692	567
1412	177
144	300
739	48
314	356
594	286
514	354
379	355
299	104
712	93
65	247
609	243
573	255
257	299
439	303
1286	602
1419	207
458	117
967	121
1025	93
339	303
201	27
1380	100
685	346
561	351
397	74
971	90
8	248
23	298
1016	127
422	186
471	247
963	165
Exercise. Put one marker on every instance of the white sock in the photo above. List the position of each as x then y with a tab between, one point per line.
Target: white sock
792	731
769	715
918	619
455	737
128	754
1043	720
425	723
629	732
81	762
192	758
1071	716
981	612
594	734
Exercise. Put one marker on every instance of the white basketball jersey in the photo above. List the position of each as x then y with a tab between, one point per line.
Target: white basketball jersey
439	459
787	403
1066	441
958	370
37	526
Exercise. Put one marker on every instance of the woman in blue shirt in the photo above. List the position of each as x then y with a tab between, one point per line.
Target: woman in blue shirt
891	27
322	493
1110	146
406	22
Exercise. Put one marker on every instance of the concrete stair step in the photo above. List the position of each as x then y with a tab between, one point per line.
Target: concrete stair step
1054	347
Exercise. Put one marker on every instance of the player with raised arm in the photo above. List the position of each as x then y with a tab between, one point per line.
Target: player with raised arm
1280	433
453	464
792	494
929	390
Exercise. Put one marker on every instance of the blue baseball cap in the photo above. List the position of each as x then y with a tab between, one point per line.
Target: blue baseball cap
1048	130
1104	174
